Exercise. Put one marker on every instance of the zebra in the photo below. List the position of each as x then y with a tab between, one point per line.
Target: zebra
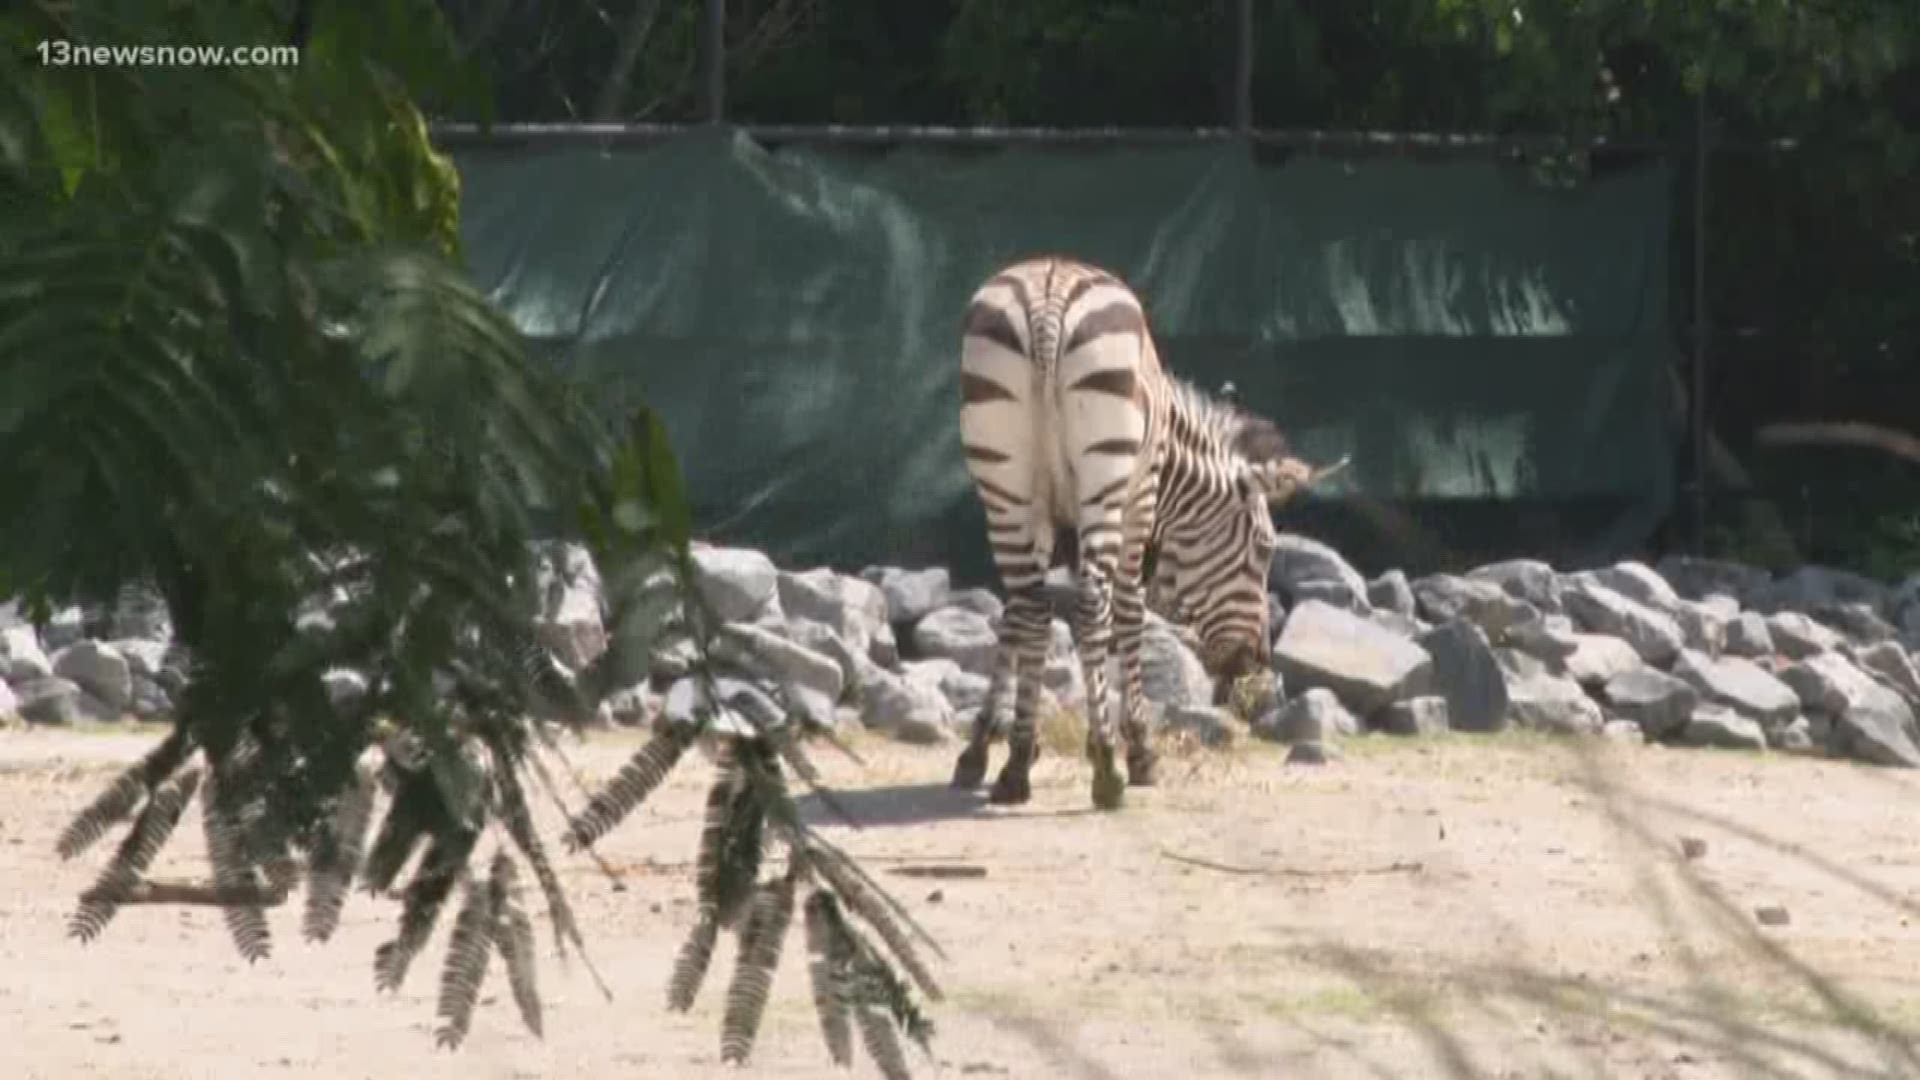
1075	437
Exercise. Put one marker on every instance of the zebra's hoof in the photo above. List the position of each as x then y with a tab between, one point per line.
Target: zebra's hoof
1142	767
970	771
1010	789
1109	791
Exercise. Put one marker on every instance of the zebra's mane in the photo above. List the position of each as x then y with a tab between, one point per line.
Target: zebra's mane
1222	423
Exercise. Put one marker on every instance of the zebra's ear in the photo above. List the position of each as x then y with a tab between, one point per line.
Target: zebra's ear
1280	478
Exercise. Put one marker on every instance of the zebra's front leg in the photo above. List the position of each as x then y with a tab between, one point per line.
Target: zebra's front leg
1096	631
970	770
1129	624
1025	628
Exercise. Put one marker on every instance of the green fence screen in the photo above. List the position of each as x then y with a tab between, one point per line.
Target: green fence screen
1493	352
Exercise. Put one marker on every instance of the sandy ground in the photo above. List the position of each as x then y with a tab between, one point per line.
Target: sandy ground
1491	908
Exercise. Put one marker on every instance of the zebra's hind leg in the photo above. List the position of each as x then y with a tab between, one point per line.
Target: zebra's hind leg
1025	626
1129	624
970	770
1096	630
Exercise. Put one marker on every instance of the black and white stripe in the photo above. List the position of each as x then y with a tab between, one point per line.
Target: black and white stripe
1071	427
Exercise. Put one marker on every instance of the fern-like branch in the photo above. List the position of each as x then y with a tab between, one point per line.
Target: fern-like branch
513	936
761	942
337	856
637	779
114	804
143	841
468	949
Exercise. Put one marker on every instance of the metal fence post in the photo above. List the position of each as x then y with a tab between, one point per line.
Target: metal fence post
713	63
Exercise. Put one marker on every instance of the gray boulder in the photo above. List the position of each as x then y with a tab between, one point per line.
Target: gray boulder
1638	582
1426	715
1467	676
1550	639
1741	685
1714	725
1598	659
1543	701
1889	660
954	633
1656	701
1595	607
1695	578
909	710
24	659
1810	588
99	669
1391	592
1796	636
1315	716
1323	646
851	607
911	594
1210	727
1524	579
740	584
812	681
1748	636
1301	560
1445	597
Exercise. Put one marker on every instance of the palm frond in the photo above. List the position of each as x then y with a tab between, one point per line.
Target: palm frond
143	841
829	961
337	856
761	942
513	936
640	777
690	966
234	872
123	795
465	969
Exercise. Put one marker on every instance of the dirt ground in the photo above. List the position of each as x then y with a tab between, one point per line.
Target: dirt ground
1504	907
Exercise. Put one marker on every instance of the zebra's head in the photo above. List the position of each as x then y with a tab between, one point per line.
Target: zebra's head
1233	621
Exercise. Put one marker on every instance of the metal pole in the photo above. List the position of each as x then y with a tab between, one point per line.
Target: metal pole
1242	66
713	63
1698	424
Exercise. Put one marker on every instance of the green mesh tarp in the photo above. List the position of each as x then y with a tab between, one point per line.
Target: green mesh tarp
1489	350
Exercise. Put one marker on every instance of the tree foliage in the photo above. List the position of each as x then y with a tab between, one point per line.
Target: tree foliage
245	369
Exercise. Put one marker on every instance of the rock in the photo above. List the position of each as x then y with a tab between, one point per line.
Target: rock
1903	608
67	626
957	634
1871	721
911	594
1445	597
1315	716
1547	702
1209	726
1703	626
1638	582
1795	737
1857	621
1524	579
812	681
671	659
740	584
964	690
144	657
1810	588
1748	636
1467	676
1390	592
853	608
1692	847
1595	607
1170	671
1550	639
572	629
1890	661
1600	658
24	659
99	669
1298	560
1312	753
1828	683
141	613
1715	725
1328	592
1395	623
1657	702
9	704
1694	578
1879	731
1739	684
1415	716
636	706
1323	646
51	700
1796	636
1772	915
979	601
1622	731
912	712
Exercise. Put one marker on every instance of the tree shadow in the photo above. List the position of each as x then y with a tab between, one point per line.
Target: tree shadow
1772	1016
